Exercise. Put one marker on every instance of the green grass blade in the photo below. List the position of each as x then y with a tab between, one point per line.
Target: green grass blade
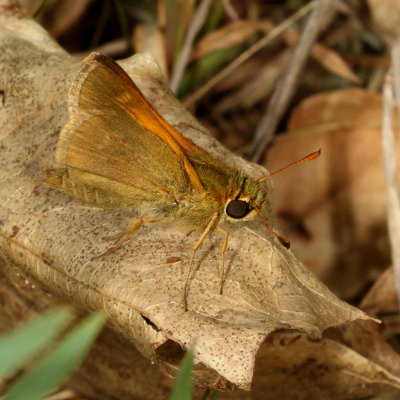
19	346
205	394
123	21
52	370
183	385
40	8
214	395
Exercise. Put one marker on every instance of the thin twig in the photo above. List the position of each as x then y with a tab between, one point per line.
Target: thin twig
396	71
286	87
230	10
390	162
199	17
274	33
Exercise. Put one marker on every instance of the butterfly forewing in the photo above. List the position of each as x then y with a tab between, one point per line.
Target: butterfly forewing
89	95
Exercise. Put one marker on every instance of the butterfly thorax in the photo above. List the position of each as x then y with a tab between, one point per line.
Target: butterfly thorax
224	189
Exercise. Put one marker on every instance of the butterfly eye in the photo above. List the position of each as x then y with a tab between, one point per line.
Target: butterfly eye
238	209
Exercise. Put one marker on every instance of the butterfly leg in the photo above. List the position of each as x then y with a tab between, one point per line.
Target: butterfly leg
123	237
207	230
223	251
284	242
134	228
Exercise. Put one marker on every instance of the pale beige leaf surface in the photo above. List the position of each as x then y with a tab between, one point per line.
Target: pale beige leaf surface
47	239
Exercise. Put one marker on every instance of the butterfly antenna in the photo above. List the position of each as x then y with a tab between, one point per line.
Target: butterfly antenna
309	157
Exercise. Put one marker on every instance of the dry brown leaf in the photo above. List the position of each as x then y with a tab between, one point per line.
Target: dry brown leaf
386	17
367	339
258	85
47	241
295	367
148	39
60	17
382	297
334	208
328	58
350	362
227	36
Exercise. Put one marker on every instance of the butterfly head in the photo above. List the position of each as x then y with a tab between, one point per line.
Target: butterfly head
249	201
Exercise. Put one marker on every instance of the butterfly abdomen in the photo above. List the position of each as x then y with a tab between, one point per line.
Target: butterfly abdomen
60	178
